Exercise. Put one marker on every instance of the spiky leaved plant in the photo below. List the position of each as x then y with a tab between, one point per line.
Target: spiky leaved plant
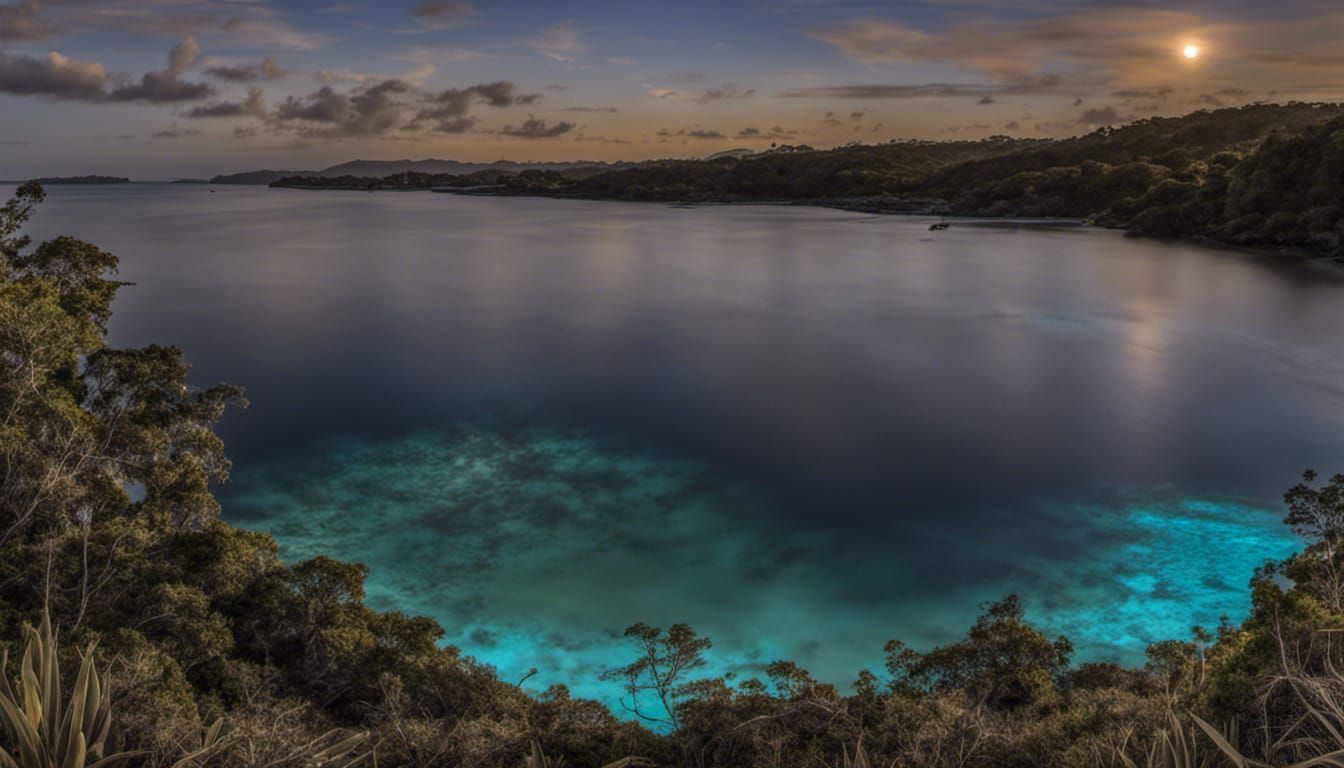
536	758
1177	746
42	731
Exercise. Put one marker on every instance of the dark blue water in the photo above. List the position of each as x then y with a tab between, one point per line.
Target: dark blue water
803	431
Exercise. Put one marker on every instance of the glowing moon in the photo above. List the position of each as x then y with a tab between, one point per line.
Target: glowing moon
1191	51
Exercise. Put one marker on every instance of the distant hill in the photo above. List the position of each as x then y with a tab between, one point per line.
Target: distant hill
1260	175
378	169
733	153
51	180
257	177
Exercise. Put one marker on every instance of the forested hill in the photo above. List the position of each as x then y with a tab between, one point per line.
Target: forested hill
1264	175
800	173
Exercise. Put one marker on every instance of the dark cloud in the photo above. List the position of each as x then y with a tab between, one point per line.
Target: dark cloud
1143	93
527	98
1103	116
253	106
22	22
166	85
928	90
557	87
1012	125
366	111
589	109
535	128
775	132
442	13
449	111
691	133
176	133
726	91
247	73
53	76
986	99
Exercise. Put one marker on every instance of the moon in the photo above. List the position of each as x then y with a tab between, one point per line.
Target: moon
1191	51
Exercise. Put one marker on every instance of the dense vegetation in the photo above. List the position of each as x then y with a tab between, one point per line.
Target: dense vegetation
108	526
1261	175
530	180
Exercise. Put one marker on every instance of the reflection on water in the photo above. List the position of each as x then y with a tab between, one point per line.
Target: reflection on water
852	429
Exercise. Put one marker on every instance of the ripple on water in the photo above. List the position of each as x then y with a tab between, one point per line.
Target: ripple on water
534	546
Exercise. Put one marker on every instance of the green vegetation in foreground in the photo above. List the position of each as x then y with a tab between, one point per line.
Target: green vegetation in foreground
107	522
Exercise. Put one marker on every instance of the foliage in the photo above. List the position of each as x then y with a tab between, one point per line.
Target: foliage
661	668
107	520
42	729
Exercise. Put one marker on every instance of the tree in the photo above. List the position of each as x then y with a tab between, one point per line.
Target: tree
101	449
1316	513
1004	662
662	667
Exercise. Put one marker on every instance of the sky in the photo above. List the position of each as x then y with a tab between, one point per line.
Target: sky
179	88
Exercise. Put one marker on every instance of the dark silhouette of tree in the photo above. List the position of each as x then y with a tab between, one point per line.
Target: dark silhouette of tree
662	667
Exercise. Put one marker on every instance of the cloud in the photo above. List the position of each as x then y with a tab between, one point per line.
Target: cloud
663	93
726	91
438	14
165	85
176	133
929	90
1135	44
1103	116
449	110
247	73
366	111
536	128
560	42
557	87
262	31
253	106
588	109
53	76
985	100
22	22
1140	93
691	133
775	132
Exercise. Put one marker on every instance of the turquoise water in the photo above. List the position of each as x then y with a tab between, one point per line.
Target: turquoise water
534	547
804	432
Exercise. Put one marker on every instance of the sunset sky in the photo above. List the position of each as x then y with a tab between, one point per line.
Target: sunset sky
169	88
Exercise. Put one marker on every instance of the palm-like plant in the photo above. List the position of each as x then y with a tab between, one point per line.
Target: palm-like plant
42	731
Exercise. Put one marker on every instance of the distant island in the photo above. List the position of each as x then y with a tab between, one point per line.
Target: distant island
1265	176
378	169
91	179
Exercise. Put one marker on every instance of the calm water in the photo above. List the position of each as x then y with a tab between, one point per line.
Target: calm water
803	431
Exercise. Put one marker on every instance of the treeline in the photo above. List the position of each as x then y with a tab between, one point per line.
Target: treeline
532	179
1266	175
108	523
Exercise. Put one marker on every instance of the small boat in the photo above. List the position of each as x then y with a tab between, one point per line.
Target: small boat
939	227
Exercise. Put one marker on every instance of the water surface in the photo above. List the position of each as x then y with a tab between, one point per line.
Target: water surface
802	431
